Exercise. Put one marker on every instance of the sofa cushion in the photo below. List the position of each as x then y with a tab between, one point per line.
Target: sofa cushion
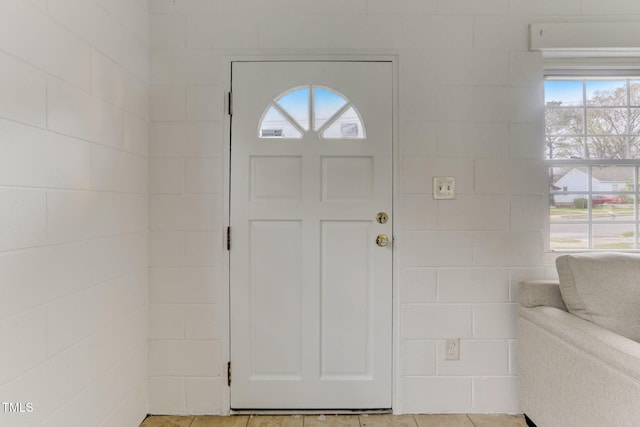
603	288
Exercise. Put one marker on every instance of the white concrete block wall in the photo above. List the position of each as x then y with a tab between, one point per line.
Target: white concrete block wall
73	211
188	305
470	106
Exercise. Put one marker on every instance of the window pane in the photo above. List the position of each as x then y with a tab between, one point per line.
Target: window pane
607	121
568	179
607	92
326	104
296	104
572	209
634	121
563	92
613	236
569	236
607	147
348	125
634	87
275	125
561	147
613	179
608	208
569	208
634	148
564	121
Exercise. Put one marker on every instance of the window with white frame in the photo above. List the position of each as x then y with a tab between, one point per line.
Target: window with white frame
592	135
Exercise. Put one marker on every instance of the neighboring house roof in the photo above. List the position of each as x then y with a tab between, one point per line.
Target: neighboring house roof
605	174
613	174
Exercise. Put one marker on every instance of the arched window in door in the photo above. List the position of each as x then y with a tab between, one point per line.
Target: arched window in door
311	109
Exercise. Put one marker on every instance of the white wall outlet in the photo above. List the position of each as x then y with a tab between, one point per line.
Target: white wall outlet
452	349
444	187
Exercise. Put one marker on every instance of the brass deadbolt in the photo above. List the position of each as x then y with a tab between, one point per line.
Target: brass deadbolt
382	217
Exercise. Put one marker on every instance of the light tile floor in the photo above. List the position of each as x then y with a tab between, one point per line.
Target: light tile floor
338	421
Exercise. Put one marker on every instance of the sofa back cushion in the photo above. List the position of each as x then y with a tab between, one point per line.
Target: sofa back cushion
603	288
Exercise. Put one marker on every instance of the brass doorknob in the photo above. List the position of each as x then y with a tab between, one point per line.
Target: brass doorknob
382	240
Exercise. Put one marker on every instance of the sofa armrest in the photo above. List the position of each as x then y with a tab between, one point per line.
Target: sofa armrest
616	351
534	293
574	372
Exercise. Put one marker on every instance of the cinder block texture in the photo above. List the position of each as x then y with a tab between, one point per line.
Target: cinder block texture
73	211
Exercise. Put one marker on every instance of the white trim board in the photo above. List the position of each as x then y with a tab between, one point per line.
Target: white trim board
620	39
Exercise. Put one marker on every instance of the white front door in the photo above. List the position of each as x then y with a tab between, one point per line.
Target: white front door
311	283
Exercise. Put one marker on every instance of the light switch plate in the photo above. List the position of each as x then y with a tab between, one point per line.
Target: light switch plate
444	187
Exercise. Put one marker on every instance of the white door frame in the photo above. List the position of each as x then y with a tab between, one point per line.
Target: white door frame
301	57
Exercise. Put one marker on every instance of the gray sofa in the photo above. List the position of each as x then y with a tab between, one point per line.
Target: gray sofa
578	349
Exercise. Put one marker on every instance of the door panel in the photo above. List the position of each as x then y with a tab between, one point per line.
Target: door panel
276	245
347	178
276	178
346	290
311	166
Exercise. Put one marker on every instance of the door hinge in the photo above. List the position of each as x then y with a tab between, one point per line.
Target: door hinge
229	374
228	238
230	103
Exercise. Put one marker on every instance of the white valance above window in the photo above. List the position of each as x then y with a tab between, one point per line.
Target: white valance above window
586	39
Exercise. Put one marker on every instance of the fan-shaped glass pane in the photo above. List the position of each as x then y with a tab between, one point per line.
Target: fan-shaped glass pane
347	126
275	125
296	104
325	104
